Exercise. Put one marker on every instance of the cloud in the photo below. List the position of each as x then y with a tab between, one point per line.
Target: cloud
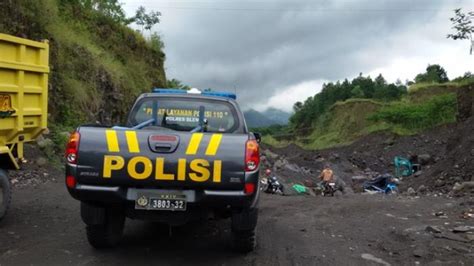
286	97
267	48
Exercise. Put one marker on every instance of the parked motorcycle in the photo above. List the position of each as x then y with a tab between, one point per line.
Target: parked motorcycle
382	184
273	186
329	188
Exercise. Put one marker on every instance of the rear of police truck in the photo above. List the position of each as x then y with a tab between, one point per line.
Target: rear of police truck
182	156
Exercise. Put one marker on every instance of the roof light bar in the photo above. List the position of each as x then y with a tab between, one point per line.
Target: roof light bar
196	91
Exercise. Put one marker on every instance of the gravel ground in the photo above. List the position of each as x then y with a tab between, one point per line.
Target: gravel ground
43	227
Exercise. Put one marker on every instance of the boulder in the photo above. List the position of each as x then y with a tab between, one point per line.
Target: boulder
270	154
463	229
420	252
464	186
421	189
418	173
433	229
44	143
440	183
41	161
411	191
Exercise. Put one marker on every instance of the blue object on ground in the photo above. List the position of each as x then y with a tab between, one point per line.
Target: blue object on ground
403	166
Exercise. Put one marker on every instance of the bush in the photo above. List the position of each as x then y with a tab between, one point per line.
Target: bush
438	110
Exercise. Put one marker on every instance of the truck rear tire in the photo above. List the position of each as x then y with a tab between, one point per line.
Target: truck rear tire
244	241
109	233
244	223
5	193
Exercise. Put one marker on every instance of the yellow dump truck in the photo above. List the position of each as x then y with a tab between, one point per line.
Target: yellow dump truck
24	69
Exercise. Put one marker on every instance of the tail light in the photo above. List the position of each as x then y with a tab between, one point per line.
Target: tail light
252	155
71	147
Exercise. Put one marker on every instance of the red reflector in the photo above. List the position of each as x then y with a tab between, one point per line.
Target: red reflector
249	188
70	181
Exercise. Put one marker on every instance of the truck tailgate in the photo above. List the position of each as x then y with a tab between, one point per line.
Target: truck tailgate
161	159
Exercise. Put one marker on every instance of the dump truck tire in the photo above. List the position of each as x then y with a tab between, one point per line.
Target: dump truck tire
5	193
109	233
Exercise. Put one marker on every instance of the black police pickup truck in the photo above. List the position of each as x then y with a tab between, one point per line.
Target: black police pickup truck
182	156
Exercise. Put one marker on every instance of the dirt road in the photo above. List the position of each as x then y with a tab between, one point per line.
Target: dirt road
44	228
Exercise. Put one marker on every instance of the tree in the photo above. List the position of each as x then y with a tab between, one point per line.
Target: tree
463	26
434	74
381	88
466	77
176	84
156	43
109	8
357	92
297	106
146	20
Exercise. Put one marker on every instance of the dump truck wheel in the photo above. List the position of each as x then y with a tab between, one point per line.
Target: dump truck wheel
109	233
5	193
245	241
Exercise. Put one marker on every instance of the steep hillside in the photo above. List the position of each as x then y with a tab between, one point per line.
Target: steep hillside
98	64
345	122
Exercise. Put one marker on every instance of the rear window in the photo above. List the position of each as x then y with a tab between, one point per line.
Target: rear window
183	114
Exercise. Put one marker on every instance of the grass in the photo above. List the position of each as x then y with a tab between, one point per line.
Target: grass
449	85
94	60
415	117
98	66
356	100
348	121
270	140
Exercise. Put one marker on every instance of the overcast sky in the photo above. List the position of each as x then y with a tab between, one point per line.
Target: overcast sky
277	52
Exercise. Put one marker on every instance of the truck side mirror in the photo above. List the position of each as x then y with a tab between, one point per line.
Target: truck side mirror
258	136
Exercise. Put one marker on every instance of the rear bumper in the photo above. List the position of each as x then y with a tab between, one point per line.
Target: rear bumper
128	196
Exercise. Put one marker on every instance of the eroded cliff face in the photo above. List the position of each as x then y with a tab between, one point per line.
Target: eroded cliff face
98	65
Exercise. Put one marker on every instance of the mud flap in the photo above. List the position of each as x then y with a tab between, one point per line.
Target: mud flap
92	215
245	220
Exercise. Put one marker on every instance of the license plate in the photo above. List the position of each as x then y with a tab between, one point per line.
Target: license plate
332	184
163	202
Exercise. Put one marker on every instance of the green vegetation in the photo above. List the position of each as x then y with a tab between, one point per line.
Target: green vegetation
270	140
433	74
98	64
307	113
322	121
419	116
177	84
343	123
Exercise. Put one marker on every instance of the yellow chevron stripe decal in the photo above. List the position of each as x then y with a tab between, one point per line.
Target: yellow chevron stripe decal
214	144
132	141
194	144
112	140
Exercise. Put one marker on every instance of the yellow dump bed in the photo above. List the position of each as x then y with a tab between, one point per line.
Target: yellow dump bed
24	69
